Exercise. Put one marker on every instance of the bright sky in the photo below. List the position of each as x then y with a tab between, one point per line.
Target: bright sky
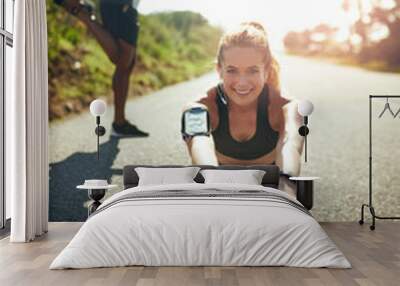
278	16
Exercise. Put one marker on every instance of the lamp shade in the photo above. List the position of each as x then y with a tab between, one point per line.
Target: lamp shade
98	107
305	108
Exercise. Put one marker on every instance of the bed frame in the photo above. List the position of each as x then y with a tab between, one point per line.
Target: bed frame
270	179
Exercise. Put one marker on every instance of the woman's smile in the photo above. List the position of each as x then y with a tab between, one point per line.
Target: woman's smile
243	92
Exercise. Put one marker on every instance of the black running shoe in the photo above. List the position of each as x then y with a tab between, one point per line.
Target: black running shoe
127	130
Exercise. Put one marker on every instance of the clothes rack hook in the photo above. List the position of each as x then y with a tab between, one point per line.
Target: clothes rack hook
387	107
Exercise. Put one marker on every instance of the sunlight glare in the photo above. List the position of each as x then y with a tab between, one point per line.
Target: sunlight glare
279	17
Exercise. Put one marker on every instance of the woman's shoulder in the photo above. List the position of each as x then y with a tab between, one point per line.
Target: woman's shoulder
209	99
276	97
276	108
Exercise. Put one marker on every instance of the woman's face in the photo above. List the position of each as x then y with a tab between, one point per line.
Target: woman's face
244	73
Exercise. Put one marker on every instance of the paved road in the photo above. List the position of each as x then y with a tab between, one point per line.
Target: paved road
338	143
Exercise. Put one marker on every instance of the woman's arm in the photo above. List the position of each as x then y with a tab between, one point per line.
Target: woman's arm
201	148
290	144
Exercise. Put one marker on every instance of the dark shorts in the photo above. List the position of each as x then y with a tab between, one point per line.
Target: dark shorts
120	20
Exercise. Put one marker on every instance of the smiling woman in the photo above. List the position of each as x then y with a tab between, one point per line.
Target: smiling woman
250	122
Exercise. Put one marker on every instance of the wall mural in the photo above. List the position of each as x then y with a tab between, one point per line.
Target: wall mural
217	82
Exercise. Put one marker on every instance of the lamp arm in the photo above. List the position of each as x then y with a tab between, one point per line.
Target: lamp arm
98	136
305	148
100	131
305	138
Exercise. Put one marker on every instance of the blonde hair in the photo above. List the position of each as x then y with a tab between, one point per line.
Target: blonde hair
251	34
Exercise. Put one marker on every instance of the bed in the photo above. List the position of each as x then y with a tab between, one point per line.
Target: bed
201	224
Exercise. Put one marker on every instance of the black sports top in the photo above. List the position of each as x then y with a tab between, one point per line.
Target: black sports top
263	141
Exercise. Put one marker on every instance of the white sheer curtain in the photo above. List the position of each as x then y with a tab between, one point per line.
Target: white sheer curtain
27	122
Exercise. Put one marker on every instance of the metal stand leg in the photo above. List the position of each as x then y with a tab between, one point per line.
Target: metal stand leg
96	195
361	221
372	211
373	215
93	207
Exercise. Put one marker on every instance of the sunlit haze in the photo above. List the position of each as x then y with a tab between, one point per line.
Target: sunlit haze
279	17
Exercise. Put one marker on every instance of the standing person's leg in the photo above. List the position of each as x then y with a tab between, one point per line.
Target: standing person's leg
104	38
121	78
122	21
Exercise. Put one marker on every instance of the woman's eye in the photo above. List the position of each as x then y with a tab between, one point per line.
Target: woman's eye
254	71
231	71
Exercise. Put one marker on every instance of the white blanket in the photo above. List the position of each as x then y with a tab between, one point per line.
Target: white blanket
182	231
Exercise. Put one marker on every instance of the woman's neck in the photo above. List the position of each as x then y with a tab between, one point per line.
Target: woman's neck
236	108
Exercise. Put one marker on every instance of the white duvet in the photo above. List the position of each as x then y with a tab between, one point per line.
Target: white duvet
200	231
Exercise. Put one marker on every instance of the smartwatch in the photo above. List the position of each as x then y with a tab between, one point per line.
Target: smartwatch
195	121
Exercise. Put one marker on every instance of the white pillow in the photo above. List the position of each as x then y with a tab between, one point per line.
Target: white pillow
162	176
248	177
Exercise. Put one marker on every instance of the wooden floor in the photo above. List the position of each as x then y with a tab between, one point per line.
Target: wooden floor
375	257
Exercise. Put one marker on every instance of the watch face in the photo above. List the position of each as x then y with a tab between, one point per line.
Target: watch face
196	122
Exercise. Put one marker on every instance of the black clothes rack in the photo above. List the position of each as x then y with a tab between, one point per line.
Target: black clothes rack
369	205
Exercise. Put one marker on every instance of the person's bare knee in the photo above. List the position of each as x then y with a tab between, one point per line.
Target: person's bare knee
123	65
